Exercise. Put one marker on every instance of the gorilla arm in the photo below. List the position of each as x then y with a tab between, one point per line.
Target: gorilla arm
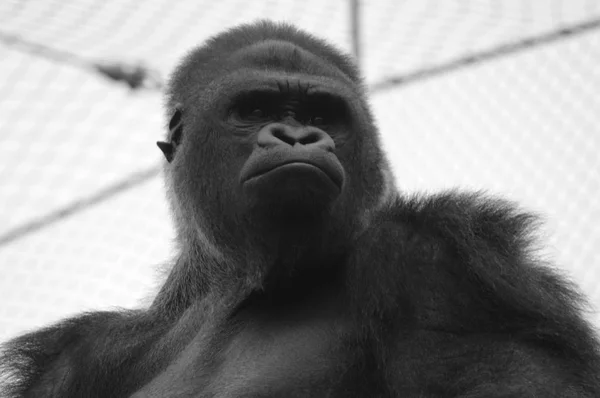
50	361
456	305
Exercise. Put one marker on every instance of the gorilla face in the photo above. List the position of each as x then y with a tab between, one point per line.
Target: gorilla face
270	134
290	133
294	129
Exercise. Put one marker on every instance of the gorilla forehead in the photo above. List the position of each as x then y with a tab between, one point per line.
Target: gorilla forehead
264	45
285	56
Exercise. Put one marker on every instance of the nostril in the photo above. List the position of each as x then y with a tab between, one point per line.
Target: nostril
310	138
280	133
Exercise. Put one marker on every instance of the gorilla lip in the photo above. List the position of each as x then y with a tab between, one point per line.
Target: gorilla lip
300	163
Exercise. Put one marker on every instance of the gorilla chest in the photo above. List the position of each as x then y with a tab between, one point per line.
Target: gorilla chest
280	358
258	356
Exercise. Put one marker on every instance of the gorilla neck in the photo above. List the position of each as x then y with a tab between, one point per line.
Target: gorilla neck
251	255
265	255
286	247
298	241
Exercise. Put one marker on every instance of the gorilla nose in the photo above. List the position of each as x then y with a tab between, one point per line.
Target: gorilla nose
276	134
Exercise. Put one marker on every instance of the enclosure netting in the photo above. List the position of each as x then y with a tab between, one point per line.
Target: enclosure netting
495	95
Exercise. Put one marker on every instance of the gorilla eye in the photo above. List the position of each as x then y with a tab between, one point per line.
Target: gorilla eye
254	107
257	113
317	120
327	109
254	113
253	110
251	113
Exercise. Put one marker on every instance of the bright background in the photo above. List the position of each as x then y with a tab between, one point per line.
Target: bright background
83	219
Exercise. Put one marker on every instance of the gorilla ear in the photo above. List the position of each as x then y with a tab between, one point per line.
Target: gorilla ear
167	149
176	125
175	133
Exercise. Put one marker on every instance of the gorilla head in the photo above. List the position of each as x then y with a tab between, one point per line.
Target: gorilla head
271	147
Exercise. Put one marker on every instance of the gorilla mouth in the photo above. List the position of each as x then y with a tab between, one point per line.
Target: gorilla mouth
294	165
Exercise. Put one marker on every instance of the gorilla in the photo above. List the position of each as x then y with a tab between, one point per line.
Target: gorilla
302	271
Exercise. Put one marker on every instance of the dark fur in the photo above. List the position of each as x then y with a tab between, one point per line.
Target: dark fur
434	296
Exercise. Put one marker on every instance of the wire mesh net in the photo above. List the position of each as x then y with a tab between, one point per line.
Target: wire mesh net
502	96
